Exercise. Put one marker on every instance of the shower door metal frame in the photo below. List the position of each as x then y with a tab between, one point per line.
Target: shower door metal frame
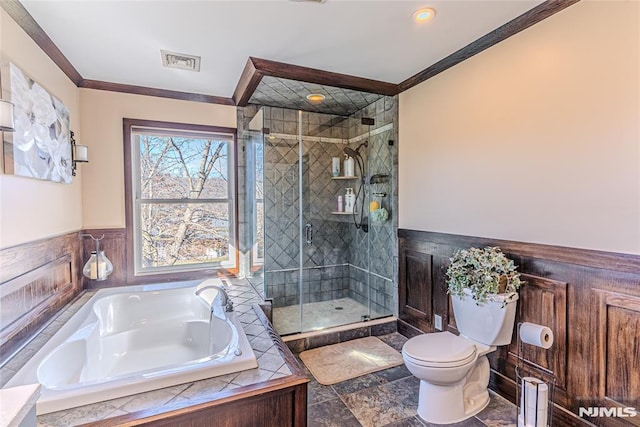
301	223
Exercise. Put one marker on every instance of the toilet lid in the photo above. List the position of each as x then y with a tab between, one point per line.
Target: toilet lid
440	348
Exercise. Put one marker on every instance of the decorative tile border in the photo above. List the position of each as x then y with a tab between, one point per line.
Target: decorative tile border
291	137
355	139
374	132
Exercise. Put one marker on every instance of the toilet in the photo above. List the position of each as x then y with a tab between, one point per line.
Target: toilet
454	370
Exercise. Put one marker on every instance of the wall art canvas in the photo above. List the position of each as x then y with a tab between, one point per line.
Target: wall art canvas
40	147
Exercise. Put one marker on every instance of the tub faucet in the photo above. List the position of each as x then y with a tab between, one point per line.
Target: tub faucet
223	299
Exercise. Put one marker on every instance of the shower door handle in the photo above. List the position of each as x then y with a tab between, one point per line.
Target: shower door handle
308	230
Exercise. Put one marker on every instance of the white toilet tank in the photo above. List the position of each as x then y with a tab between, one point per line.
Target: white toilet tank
490	323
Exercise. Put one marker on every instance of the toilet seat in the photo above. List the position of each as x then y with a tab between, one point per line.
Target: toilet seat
440	350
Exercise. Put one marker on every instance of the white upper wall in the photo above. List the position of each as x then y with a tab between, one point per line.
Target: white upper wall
536	139
32	209
102	114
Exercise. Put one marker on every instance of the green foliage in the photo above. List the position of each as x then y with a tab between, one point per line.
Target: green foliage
484	272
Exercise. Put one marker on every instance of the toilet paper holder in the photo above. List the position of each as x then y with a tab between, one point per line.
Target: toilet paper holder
535	386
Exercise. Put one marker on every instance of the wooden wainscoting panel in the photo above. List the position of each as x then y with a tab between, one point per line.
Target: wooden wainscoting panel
36	280
24	293
619	347
416	296
20	259
623	367
114	246
544	302
590	299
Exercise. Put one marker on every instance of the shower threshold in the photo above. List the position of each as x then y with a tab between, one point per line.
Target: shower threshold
307	340
320	316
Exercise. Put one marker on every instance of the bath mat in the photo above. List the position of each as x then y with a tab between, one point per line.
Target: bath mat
339	362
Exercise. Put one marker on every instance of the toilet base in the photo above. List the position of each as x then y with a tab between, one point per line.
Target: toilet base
440	404
444	405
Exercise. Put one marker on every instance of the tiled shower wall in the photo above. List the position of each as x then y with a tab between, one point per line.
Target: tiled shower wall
336	263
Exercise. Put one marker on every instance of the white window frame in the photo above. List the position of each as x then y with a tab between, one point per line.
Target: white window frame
159	128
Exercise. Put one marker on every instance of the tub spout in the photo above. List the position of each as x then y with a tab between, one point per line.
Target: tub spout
221	300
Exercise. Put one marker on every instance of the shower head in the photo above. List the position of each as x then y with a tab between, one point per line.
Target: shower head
355	153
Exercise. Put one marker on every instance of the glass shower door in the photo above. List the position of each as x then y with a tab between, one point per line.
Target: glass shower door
328	235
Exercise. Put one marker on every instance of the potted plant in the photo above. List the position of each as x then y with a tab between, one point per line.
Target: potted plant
482	273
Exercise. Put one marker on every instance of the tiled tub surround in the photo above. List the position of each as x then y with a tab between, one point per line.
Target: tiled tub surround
133	339
272	367
337	261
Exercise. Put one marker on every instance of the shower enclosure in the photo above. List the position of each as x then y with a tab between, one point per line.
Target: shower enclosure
321	267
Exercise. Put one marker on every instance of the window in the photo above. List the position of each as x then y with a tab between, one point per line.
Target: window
181	196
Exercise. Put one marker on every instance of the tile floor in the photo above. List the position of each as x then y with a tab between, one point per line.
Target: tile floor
387	398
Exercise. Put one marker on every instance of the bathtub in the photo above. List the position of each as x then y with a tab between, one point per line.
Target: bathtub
134	339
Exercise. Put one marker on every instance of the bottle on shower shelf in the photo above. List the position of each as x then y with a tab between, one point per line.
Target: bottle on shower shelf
335	166
340	205
349	166
349	200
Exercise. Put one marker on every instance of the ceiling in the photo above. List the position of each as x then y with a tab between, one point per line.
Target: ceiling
285	93
120	41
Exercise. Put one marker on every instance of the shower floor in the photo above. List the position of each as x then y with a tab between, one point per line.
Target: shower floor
319	315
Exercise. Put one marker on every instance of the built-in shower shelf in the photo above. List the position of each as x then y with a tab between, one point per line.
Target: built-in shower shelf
345	177
345	213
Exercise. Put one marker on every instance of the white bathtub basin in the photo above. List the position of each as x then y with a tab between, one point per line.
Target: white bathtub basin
134	339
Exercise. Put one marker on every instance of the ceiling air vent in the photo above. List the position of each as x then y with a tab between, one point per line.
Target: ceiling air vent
180	61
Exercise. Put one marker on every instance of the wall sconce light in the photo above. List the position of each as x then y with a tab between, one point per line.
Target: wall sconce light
98	267
78	155
6	116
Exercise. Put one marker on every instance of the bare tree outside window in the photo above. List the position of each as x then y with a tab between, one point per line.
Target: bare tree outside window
183	201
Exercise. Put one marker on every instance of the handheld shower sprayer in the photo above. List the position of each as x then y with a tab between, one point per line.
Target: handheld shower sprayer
351	152
355	153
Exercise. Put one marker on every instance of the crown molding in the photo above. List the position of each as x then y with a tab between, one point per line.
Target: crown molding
149	91
23	18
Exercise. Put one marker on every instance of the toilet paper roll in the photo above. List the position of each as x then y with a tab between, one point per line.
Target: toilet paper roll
534	400
537	335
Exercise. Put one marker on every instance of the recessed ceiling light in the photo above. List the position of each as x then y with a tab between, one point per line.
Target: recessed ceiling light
315	98
424	14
